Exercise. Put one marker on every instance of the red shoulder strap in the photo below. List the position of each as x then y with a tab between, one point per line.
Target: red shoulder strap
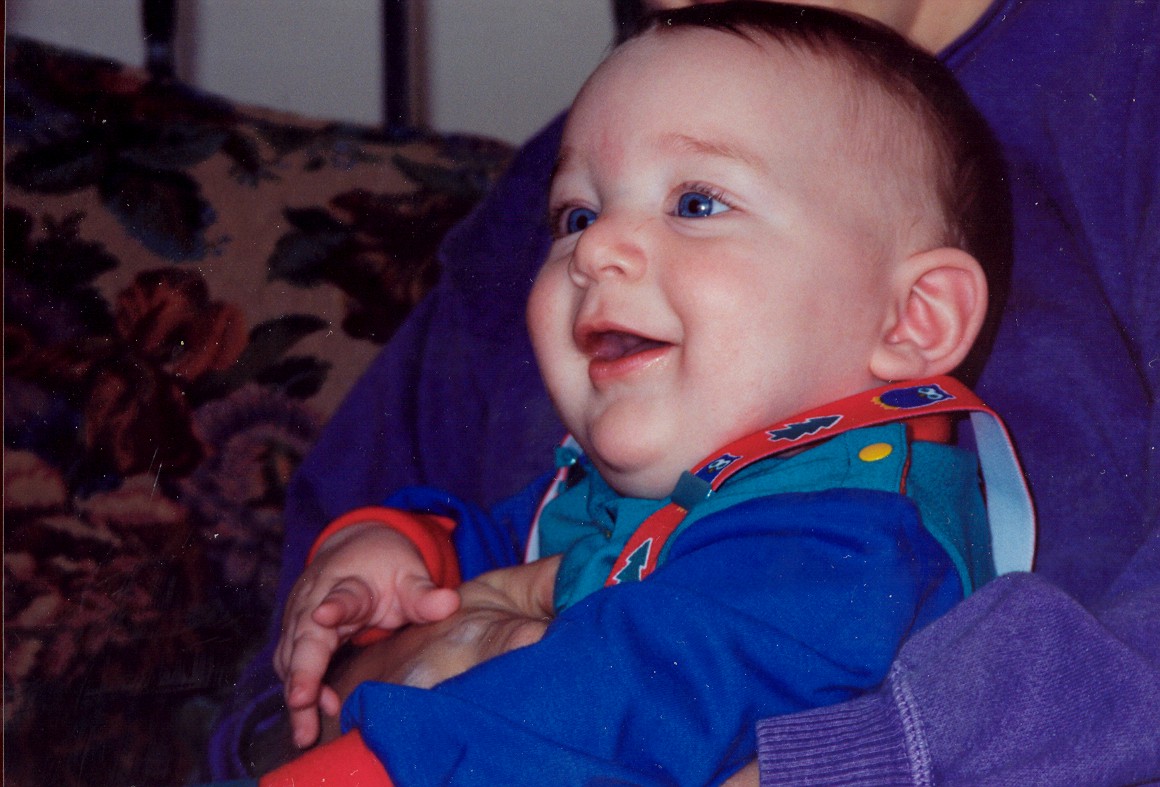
1009	508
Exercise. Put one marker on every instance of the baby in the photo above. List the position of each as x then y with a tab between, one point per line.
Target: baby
764	215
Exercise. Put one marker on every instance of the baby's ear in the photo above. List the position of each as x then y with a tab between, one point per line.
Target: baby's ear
940	301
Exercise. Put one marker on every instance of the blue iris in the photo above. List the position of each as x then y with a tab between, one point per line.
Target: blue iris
579	219
696	205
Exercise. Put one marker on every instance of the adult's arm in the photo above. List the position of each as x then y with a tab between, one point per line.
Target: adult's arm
1018	685
1023	684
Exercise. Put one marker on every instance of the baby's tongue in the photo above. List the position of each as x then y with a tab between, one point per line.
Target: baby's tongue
613	345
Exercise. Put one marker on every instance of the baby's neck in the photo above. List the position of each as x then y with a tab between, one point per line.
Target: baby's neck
930	24
939	23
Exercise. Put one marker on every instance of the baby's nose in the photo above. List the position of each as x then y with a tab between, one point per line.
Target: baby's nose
609	247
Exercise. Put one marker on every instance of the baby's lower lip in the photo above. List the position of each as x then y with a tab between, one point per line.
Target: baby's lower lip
601	370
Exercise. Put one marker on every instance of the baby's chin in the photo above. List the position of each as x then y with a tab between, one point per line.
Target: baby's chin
641	450
641	485
636	473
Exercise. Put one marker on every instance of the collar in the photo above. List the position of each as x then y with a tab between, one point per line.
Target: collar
1009	508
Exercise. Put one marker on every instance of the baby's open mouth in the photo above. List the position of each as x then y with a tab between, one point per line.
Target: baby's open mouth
614	345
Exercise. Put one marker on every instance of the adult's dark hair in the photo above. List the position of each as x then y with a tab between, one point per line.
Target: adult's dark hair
626	17
968	172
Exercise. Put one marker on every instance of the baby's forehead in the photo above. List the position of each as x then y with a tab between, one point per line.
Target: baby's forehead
717	53
712	65
745	81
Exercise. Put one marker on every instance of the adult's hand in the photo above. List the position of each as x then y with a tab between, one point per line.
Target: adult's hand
749	776
499	611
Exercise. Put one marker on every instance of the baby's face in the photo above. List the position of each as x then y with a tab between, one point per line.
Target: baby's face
717	265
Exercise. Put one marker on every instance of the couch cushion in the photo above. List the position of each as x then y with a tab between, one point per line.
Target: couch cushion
191	286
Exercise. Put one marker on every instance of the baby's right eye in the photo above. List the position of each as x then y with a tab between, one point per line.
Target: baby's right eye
577	220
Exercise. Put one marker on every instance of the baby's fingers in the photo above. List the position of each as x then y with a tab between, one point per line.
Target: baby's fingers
304	726
422	602
305	723
329	701
306	666
346	608
305	693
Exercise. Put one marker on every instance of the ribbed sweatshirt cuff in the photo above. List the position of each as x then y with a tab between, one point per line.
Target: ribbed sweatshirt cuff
344	762
874	740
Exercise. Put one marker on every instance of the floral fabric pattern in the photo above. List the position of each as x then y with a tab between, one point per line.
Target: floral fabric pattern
190	288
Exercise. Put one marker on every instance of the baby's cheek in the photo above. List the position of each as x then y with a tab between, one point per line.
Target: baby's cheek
548	312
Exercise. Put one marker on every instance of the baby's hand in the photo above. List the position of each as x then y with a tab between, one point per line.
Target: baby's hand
365	576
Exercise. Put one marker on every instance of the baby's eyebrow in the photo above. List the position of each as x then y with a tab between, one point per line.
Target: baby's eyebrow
561	161
706	147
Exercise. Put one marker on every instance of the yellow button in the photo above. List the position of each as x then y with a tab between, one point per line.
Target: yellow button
875	451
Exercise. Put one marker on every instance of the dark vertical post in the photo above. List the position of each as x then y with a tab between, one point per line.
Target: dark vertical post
159	20
396	67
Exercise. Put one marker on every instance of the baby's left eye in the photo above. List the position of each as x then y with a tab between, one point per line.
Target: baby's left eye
698	204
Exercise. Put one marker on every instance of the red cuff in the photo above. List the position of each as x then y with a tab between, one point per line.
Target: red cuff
431	535
345	762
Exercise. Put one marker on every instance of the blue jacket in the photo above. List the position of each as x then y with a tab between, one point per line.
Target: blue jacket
766	605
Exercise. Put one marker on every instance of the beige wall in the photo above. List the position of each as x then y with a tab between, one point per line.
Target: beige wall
497	67
505	67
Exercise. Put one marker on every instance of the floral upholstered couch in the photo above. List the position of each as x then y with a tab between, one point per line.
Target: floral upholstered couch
190	288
